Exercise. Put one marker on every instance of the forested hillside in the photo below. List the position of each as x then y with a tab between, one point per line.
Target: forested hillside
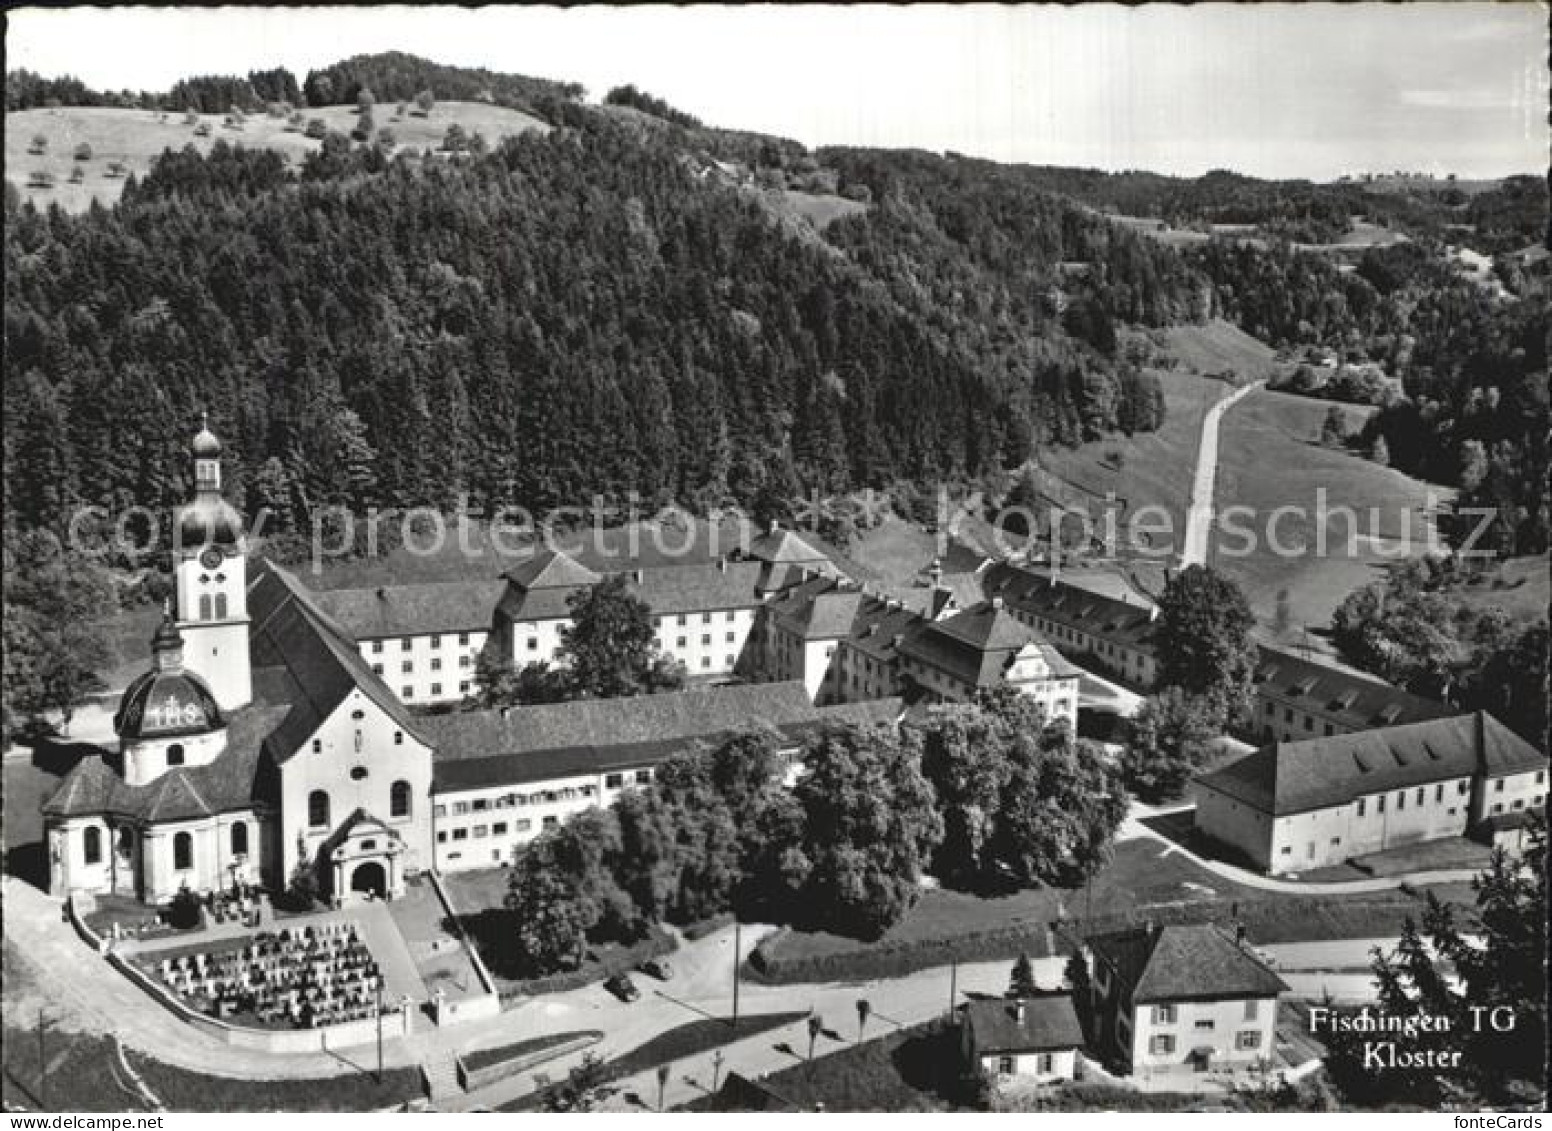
570	315
1472	364
634	303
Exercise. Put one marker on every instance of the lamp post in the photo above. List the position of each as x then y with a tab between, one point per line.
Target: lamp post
379	1028
737	949
42	1061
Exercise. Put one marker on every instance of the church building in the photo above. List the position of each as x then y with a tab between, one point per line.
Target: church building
266	739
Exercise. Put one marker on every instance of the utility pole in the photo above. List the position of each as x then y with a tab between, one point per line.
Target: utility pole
953	985
42	1061
379	1028
737	948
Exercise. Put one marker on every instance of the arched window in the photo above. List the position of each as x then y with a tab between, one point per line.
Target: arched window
240	838
175	754
183	851
399	799
204	606
317	808
93	844
220	606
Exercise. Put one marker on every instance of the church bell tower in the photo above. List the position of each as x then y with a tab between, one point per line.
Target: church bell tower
212	579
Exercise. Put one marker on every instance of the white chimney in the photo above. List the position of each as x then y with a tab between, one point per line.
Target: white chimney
1018	1011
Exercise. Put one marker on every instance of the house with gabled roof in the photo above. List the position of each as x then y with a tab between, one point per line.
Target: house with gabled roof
1294	806
1181	1000
1033	1038
984	647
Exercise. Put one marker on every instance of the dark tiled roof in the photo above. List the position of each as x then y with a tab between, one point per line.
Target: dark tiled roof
879	623
785	547
482	748
1049	1022
989	627
977	646
740	1093
235	779
541	587
552	569
1188	962
699	587
1353	701
817	609
1096	614
1295	777
313	662
412	610
604	722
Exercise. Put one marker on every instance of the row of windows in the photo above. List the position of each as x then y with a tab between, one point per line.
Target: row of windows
407	643
1244	1040
1461	788
541	797
182	845
680	641
1044	1063
1170	1014
683	619
318	806
1519	803
407	691
498	828
407	667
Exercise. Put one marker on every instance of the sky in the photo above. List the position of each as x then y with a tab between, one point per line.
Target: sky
1272	90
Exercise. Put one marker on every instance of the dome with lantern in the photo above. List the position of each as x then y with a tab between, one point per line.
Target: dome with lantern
167	701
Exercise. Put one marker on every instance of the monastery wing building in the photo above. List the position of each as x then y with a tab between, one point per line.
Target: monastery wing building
276	729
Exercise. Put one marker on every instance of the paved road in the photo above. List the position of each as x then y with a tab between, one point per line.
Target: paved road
1199	517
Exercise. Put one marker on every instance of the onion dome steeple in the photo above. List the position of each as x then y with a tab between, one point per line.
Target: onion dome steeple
209	520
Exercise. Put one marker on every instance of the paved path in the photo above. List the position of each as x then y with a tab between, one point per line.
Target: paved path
1134	827
1199	516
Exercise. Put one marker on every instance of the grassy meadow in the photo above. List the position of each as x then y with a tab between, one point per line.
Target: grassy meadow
137	137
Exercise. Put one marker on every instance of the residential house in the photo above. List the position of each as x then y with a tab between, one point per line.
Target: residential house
1181	1000
1035	1038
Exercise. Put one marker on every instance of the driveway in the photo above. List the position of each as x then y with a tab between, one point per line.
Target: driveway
1199	516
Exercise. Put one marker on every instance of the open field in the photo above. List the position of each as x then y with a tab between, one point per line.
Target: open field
821	209
135	137
1270	458
1155	468
894	551
1218	347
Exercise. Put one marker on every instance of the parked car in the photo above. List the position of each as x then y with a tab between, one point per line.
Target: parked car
622	987
657	968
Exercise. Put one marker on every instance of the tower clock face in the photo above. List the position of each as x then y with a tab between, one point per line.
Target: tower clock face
211	558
